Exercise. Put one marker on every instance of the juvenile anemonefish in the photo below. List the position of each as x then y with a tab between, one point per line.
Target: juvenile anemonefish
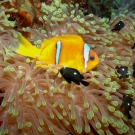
118	26
1	98
71	74
68	50
133	69
123	71
133	46
126	104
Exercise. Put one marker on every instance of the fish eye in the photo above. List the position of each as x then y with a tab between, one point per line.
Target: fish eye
91	58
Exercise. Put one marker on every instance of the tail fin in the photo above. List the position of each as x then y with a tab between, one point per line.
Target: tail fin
85	83
25	48
129	116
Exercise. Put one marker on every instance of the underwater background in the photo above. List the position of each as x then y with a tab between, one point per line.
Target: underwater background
37	100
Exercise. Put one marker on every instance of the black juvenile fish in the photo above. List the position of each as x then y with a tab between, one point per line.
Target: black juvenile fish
118	26
133	69
133	46
123	71
72	74
1	98
127	102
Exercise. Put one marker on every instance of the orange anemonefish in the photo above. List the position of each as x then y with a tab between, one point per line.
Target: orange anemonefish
67	50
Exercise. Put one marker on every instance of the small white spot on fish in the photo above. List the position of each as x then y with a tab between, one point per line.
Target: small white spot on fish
75	73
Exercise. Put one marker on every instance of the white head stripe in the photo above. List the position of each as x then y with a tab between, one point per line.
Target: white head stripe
86	54
58	48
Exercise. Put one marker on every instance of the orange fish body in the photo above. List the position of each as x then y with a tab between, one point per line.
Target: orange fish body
68	50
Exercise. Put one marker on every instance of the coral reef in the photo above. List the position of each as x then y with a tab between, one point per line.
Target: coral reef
38	101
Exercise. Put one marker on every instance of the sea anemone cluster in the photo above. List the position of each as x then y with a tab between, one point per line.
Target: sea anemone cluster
38	101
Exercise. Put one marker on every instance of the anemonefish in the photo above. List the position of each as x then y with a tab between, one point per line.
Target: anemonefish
67	50
1	98
123	71
126	104
133	46
118	26
71	74
133	69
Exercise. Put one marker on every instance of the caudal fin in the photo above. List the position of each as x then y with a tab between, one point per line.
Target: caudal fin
85	83
129	116
25	48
